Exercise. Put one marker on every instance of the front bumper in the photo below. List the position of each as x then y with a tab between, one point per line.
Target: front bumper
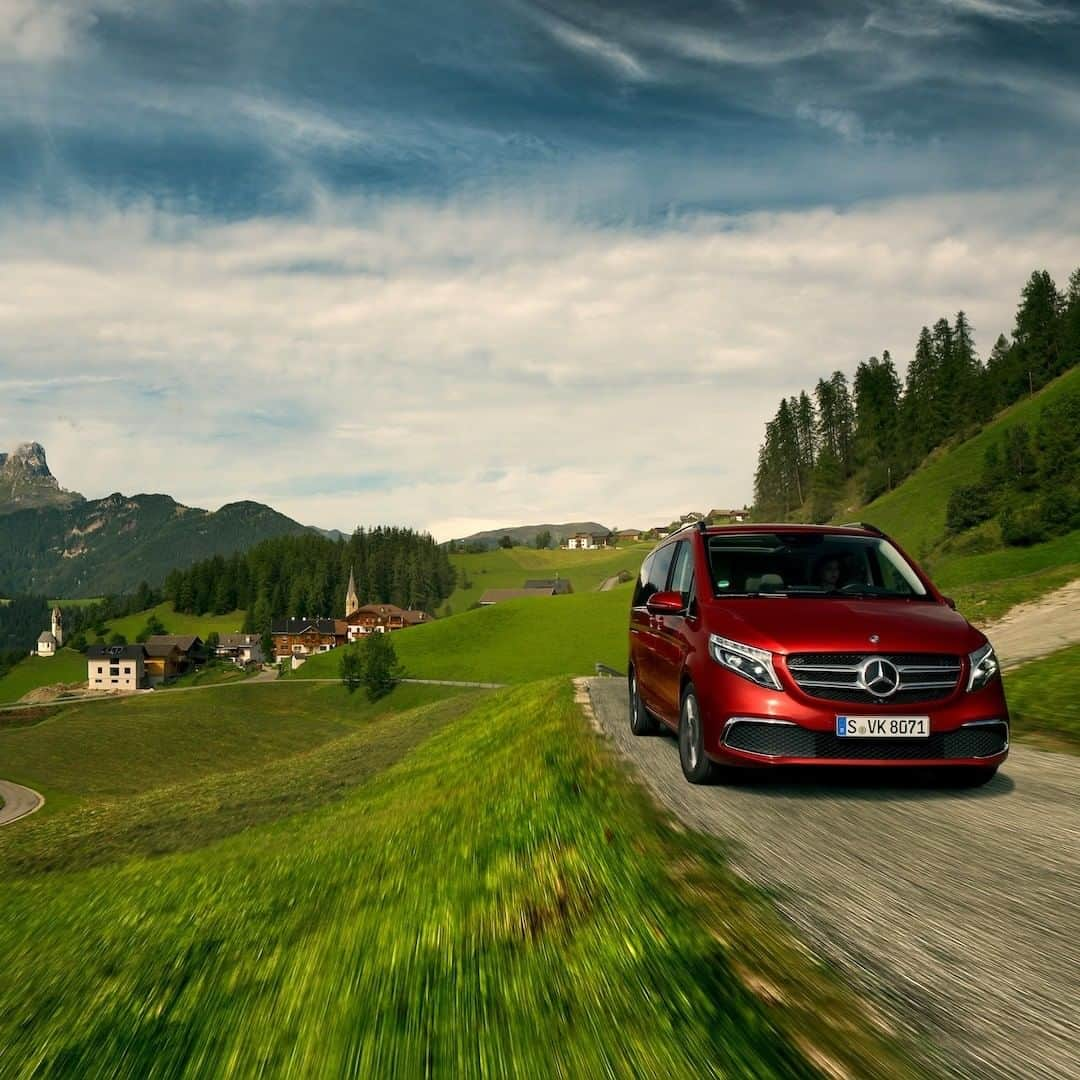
752	726
779	742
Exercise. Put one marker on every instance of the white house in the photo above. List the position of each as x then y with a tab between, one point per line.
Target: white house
588	541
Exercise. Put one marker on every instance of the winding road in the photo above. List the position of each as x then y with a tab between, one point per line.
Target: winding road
957	912
18	801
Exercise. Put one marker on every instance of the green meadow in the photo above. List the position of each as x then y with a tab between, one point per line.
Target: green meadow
176	622
1044	700
516	641
280	879
509	568
67	666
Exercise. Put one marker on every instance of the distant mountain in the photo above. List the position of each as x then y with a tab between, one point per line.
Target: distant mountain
109	545
26	482
526	534
56	542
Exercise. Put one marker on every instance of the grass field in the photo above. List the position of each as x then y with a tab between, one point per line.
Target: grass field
129	746
518	641
1044	700
67	666
178	623
498	901
509	569
986	586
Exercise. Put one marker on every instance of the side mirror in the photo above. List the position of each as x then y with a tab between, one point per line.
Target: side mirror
666	603
950	601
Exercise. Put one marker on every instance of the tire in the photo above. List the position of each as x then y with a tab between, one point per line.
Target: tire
696	767
641	720
971	777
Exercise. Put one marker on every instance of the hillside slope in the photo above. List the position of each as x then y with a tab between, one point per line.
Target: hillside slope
109	545
513	642
914	511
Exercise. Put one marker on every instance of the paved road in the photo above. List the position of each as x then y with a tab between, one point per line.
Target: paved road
1037	628
18	801
959	912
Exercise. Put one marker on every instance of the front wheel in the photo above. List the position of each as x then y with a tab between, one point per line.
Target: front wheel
696	767
641	722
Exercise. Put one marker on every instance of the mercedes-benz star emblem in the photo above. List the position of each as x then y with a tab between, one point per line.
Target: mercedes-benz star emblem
880	677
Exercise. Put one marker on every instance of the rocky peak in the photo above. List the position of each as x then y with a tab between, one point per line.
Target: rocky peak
27	460
26	481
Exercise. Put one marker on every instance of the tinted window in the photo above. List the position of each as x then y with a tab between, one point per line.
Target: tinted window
658	573
641	593
809	564
682	573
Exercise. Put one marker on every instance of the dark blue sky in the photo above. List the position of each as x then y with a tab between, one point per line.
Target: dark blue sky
246	108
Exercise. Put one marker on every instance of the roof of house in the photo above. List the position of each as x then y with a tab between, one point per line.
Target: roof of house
560	586
386	611
237	641
497	596
300	626
46	638
158	649
184	642
116	652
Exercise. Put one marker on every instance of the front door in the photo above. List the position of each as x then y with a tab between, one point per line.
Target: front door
671	637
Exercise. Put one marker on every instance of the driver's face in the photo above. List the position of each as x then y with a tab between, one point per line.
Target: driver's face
830	572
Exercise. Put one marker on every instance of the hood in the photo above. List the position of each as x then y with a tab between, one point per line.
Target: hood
803	624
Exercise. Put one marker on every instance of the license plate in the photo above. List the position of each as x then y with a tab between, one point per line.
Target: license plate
883	727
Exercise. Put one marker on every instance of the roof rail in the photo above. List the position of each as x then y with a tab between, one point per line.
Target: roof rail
862	525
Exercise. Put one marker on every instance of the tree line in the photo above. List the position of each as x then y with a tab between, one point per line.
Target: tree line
24	617
307	576
879	427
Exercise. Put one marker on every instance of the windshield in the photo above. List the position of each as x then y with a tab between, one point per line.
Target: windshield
809	564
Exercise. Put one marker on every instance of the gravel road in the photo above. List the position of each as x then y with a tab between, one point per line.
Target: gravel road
1037	628
958	912
18	801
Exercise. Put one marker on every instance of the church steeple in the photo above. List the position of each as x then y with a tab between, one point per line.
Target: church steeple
352	601
58	626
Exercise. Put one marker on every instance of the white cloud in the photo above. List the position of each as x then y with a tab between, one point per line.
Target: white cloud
474	363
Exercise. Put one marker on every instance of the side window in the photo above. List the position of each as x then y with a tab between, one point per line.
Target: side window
658	573
641	589
682	573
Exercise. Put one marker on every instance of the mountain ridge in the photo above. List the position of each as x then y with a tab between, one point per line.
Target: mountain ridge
26	482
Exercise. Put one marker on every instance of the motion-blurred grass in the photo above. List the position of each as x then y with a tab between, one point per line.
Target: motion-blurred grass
502	901
1044	699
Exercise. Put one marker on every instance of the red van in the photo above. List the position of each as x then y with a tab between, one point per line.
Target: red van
809	645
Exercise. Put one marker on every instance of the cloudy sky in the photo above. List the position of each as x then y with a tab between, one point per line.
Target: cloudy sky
460	265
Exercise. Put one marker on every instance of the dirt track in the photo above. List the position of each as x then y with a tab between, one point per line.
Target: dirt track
1037	628
958	912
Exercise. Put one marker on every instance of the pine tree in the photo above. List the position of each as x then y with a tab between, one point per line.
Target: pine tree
1038	332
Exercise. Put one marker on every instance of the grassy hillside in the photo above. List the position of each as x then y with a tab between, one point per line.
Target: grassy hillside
501	901
517	641
914	511
133	745
176	622
1044	700
509	568
67	666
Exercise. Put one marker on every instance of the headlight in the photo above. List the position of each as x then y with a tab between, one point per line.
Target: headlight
753	664
984	666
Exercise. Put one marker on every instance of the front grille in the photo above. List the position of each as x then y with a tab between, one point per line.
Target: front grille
835	676
790	740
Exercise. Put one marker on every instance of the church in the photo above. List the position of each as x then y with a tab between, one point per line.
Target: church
376	618
50	641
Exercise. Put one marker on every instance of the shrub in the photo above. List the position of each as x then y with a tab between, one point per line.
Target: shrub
1022	528
969	506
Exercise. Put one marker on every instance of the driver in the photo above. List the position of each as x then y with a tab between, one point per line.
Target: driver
828	572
